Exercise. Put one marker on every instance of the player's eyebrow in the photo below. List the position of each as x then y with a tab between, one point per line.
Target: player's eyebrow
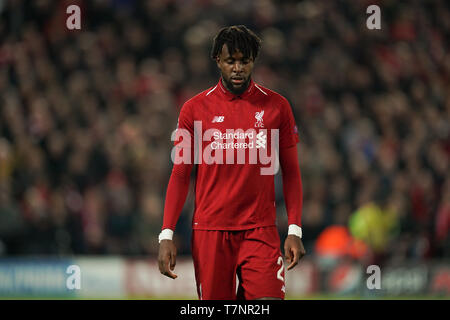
232	58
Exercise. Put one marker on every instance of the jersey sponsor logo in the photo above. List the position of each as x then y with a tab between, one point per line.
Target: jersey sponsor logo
259	119
218	119
261	140
235	146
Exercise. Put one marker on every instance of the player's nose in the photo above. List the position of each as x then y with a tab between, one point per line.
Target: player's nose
237	66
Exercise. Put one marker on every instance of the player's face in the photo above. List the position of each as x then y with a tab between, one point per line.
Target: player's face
236	70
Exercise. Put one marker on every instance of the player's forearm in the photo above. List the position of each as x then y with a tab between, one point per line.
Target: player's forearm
177	191
292	185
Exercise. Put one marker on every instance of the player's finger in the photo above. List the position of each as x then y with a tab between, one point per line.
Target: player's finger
287	254
164	268
302	253
168	271
161	265
163	261
173	261
170	274
294	260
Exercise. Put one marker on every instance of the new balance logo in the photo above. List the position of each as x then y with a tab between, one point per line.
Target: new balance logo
283	288
218	119
261	140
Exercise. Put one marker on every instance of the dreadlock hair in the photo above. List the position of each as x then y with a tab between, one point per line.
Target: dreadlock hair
237	38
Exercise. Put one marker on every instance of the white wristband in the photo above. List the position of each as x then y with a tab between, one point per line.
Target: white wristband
166	234
295	230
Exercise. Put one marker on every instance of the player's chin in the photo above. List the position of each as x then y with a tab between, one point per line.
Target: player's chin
239	87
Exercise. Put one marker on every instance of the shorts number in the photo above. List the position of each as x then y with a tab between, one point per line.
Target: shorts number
280	262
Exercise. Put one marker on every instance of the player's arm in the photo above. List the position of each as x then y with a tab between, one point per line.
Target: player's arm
293	196
176	194
177	191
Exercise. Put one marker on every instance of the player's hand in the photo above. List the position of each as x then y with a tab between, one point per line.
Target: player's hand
167	258
293	250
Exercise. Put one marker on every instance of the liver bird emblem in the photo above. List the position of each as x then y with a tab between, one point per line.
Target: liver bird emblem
259	119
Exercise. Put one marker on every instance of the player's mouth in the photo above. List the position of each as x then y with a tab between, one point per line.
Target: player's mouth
237	80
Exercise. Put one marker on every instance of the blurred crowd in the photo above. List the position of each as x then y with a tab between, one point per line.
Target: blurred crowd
86	118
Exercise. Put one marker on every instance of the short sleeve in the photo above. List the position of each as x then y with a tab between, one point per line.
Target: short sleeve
288	127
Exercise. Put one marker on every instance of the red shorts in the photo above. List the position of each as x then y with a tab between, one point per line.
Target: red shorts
253	256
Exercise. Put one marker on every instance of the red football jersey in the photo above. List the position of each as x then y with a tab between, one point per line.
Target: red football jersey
234	138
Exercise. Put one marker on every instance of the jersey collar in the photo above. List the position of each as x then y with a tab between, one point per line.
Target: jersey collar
231	96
